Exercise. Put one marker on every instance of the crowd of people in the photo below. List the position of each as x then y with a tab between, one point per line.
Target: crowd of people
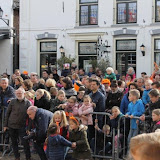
56	113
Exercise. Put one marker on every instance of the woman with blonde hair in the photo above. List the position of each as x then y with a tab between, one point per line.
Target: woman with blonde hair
50	83
145	146
42	99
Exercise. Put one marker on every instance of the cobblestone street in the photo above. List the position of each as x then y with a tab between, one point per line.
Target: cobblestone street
6	157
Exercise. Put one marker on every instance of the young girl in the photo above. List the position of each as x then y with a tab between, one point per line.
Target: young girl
114	119
56	144
60	99
30	96
71	106
85	110
59	118
156	119
78	135
148	87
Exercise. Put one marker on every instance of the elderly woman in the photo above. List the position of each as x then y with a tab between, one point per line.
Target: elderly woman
68	87
130	73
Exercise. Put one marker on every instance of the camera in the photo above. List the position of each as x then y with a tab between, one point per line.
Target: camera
31	135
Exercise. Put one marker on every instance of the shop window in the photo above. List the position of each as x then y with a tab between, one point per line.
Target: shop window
48	55
86	53
125	55
157	51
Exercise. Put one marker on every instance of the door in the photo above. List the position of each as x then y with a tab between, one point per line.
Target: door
124	61
47	62
84	62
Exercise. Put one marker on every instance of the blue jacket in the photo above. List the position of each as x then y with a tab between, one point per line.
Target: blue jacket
56	147
6	95
99	99
145	97
124	104
41	121
136	109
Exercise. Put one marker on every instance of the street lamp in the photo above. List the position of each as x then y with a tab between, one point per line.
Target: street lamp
62	51
4	20
142	47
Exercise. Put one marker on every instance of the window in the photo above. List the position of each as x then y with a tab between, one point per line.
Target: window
86	52
126	12
157	51
88	12
157	11
125	55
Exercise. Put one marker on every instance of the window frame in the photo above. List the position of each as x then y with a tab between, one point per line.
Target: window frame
156	11
126	40
88	4
127	9
55	51
79	54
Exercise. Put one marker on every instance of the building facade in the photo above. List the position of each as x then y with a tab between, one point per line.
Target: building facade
8	36
77	24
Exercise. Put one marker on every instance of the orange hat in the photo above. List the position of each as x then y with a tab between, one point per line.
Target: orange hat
25	72
74	119
106	81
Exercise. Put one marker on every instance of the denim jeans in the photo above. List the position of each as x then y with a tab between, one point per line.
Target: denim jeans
132	133
15	134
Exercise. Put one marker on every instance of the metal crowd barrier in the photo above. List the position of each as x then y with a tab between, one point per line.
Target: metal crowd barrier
124	147
115	153
104	156
2	133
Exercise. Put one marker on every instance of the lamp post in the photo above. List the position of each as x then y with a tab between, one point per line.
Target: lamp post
142	47
6	21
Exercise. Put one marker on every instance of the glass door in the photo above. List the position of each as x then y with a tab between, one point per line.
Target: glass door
47	62
124	61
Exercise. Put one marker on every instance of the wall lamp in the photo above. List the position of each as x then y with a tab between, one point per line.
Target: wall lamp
142	47
62	51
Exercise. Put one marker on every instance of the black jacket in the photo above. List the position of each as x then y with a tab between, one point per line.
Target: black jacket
55	103
65	72
43	102
113	99
41	122
38	86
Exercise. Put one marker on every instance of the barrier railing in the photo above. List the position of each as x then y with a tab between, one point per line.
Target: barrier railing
124	147
103	156
5	145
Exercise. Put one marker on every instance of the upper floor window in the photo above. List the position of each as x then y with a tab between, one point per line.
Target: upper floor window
88	12
157	11
126	12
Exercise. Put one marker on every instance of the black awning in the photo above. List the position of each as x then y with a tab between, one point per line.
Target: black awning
4	36
4	33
